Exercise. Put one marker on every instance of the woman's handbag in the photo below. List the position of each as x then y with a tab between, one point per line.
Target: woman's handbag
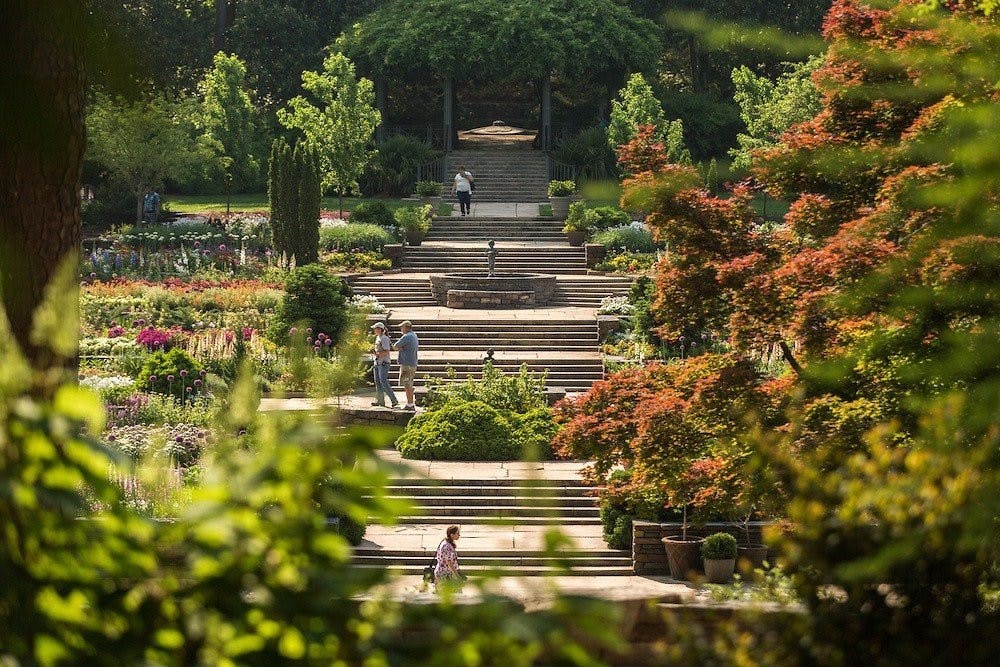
429	572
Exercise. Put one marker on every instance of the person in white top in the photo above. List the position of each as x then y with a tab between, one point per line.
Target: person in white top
462	187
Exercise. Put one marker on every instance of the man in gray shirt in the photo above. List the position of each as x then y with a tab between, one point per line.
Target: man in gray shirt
407	345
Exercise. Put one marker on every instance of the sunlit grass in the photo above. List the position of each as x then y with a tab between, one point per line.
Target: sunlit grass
254	203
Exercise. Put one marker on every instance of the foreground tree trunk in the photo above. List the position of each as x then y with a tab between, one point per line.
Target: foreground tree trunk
42	143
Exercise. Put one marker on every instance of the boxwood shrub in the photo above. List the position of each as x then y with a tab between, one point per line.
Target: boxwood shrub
460	431
501	417
373	213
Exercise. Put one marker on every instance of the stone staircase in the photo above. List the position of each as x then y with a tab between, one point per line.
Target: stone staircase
567	350
403	291
479	506
476	229
448	258
501	175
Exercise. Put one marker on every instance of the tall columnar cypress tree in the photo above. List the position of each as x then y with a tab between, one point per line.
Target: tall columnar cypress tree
295	190
277	191
309	194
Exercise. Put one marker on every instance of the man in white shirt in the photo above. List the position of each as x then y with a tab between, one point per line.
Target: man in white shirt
462	188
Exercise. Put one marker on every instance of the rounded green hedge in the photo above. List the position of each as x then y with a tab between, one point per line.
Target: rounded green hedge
461	431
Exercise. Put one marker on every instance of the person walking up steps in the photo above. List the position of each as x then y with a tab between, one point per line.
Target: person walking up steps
462	188
380	352
407	345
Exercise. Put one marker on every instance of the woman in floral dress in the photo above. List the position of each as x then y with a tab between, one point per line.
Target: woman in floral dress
447	558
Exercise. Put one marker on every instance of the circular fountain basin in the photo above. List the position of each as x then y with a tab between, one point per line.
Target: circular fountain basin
501	290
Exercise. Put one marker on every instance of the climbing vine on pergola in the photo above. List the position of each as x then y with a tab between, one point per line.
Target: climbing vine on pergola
457	40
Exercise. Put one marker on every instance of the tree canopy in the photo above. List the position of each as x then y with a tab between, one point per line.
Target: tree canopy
519	39
341	128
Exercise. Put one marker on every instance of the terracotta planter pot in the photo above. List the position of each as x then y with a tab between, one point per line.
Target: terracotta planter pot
682	555
414	238
576	239
751	557
719	571
560	207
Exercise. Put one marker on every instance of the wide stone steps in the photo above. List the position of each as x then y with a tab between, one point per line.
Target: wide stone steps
420	488
508	569
396	292
477	505
502	175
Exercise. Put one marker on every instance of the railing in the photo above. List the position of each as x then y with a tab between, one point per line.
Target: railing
559	171
433	170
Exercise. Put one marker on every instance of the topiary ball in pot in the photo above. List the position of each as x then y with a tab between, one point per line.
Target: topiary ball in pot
719	553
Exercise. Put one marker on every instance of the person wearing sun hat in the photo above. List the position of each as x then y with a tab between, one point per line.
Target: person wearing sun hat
381	356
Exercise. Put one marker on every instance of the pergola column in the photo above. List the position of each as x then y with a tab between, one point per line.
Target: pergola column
449	122
546	128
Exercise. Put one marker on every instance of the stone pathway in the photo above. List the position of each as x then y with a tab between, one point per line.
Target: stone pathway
499	211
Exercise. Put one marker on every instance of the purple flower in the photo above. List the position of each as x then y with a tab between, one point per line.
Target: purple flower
184	373
292	331
189	390
170	378
152	378
197	383
179	438
222	247
328	342
202	372
197	244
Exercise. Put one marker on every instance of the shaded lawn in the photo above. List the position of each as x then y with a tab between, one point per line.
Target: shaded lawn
253	203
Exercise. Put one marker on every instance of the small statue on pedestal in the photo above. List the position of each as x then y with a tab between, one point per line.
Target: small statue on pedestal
491	259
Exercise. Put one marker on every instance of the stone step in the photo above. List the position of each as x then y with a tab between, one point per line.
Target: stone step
468	519
532	483
463	500
500	325
526	571
505	554
512	560
406	489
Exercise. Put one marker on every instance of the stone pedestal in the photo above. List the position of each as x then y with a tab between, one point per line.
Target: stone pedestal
596	253
394	253
607	325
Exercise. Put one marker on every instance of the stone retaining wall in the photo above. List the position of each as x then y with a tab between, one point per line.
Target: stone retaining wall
649	556
375	417
470	298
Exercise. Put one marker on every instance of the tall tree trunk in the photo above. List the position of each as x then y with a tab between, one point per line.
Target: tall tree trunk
221	22
42	143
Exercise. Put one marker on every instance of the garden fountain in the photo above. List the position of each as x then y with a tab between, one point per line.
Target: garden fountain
492	289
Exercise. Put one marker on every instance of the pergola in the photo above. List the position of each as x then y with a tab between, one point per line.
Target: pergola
458	40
